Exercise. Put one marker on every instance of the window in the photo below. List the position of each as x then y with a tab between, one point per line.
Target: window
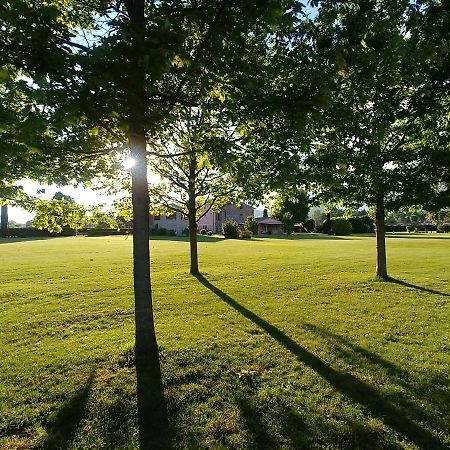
218	216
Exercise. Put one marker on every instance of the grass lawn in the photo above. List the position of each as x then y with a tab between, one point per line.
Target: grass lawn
284	343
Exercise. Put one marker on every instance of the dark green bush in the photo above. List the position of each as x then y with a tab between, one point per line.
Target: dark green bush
203	231
310	225
363	224
171	233
341	226
230	229
326	226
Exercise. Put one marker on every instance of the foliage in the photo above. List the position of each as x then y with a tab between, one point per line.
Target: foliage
246	234
287	222
54	215
340	226
310	225
296	204
327	226
361	224
250	224
230	229
182	158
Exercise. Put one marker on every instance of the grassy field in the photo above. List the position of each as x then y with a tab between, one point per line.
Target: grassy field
284	343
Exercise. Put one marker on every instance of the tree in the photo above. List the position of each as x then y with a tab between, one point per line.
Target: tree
4	220
114	70
288	222
250	224
55	215
190	183
383	143
296	204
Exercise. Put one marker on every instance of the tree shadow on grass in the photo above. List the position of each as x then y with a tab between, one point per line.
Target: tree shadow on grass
415	286
303	236
347	384
416	236
152	409
431	390
62	428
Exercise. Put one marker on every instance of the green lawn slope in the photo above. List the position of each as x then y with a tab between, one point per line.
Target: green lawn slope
283	343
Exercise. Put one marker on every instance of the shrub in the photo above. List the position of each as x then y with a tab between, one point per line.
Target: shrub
327	226
230	229
251	224
310	225
246	234
185	232
209	233
158	232
288	222
203	231
363	224
319	228
341	226
171	233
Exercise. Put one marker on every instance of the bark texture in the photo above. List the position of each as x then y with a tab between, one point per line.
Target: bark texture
145	329
380	232
194	270
4	221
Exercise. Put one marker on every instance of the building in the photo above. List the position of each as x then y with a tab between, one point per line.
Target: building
268	225
176	221
213	220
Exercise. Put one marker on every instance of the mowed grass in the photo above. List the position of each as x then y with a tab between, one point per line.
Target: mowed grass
284	343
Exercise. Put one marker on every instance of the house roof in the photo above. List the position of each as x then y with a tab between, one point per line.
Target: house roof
268	221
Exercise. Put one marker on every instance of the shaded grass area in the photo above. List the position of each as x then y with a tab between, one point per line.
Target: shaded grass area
282	343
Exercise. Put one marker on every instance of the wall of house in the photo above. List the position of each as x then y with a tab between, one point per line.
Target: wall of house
176	222
269	228
213	220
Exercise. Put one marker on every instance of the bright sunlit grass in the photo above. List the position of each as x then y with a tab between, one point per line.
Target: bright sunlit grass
285	343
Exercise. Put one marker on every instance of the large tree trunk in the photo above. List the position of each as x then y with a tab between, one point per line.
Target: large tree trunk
380	233
145	329
193	218
4	219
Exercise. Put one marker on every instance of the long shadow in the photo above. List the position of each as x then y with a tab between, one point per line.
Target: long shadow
152	410
426	390
62	428
303	236
347	384
416	236
419	288
200	238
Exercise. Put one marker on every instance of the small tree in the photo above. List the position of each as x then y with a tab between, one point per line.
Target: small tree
54	215
288	222
251	224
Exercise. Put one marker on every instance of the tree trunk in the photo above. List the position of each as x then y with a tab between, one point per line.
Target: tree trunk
328	216
193	218
380	233
4	219
145	329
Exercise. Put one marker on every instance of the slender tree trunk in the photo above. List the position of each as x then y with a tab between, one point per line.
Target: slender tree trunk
4	219
193	218
328	216
145	329
380	233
